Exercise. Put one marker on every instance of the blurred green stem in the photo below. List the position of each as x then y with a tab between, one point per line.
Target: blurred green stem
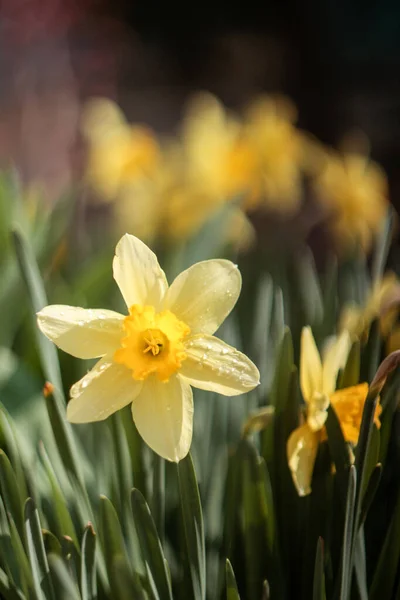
158	497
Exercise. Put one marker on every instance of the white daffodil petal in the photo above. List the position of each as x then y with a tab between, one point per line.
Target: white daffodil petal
204	295
163	415
302	447
310	365
137	273
213	365
108	387
84	333
334	359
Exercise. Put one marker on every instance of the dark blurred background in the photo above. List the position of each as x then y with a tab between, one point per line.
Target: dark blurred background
338	60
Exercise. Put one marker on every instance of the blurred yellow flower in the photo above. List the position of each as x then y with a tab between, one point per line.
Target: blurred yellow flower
382	303
151	357
279	150
354	193
118	153
318	383
171	207
219	160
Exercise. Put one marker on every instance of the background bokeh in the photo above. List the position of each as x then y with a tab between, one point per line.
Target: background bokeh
338	61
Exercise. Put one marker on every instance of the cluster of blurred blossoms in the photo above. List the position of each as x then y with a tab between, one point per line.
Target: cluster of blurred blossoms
256	163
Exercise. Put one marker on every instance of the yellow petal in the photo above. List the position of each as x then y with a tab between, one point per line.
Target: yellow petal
213	365
163	415
84	333
302	447
108	387
137	273
335	358
204	295
310	365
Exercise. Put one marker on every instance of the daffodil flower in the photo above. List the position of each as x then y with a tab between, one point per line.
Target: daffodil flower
151	357
318	383
382	303
119	154
354	192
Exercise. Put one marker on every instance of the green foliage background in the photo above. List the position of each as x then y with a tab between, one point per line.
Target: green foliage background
90	512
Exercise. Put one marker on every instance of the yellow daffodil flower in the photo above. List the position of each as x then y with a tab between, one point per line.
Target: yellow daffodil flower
219	160
151	357
278	146
169	206
354	192
118	153
318	383
382	303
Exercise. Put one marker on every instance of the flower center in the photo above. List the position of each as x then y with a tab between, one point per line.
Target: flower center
153	343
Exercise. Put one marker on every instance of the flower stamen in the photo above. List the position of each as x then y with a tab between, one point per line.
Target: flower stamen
154	344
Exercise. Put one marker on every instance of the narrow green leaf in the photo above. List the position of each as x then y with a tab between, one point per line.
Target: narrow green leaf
88	582
10	437
346	569
158	495
370	492
7	590
72	556
384	577
150	545
37	555
34	284
319	574
55	401
51	543
123	467
282	384
255	526
193	525
382	247
10	491
63	581
367	452
63	517
125	585
25	572
351	373
112	538
135	447
232	592
372	351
